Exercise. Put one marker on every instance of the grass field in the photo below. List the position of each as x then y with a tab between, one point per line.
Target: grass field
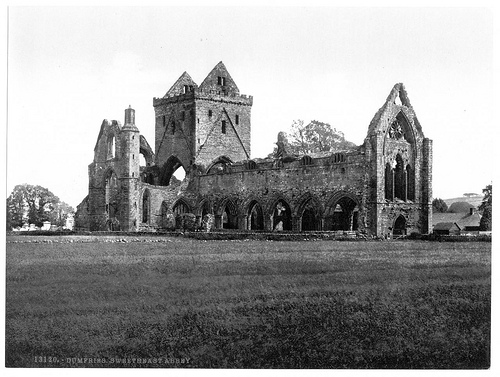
247	304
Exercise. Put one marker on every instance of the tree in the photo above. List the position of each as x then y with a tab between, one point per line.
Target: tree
460	207
60	213
34	205
469	194
439	205
487	208
314	137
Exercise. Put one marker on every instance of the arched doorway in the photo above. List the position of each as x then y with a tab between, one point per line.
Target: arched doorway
172	168
206	209
308	211
255	219
164	215
399	226
282	216
229	216
345	214
308	220
180	207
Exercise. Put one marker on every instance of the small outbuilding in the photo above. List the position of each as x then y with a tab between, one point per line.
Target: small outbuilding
447	228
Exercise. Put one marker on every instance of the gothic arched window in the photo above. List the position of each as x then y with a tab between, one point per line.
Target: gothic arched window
145	206
389	182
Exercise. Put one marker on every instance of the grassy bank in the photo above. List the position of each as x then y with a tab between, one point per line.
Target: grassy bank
250	304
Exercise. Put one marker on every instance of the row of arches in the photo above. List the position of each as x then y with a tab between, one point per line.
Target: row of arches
341	212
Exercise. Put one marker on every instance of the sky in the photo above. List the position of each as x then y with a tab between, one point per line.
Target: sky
70	68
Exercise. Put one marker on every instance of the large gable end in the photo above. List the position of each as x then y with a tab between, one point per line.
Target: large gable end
396	103
219	81
183	85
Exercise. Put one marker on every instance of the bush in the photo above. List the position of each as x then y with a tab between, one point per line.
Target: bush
460	207
186	221
207	223
169	222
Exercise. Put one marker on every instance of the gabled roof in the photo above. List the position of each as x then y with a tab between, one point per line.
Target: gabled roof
211	81
446	226
462	219
470	220
178	87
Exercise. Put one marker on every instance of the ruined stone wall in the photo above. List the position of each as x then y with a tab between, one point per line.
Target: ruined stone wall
97	192
158	196
119	211
325	191
427	186
411	147
82	219
323	184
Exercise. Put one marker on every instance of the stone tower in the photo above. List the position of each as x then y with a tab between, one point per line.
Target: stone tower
400	169
199	124
114	176
130	171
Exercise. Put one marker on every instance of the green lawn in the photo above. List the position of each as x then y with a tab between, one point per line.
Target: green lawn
248	304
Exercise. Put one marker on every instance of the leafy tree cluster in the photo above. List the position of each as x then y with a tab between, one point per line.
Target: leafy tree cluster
313	137
486	208
35	204
439	205
469	194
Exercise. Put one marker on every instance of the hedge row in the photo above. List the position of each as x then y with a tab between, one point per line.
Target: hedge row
227	234
450	238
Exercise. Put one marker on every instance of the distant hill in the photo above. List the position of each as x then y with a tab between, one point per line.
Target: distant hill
473	200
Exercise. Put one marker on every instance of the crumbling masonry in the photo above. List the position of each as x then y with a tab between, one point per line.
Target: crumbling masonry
381	187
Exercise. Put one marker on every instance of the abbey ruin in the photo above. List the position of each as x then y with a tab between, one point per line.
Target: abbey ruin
383	186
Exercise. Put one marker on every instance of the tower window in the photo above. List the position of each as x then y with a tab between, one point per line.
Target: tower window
186	88
338	157
209	113
111	147
164	121
307	160
173	127
251	165
237	119
198	120
183	115
223	126
221	80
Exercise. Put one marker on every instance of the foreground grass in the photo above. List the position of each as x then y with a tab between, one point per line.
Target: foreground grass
251	304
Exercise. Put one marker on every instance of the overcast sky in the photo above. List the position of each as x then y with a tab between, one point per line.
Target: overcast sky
70	68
